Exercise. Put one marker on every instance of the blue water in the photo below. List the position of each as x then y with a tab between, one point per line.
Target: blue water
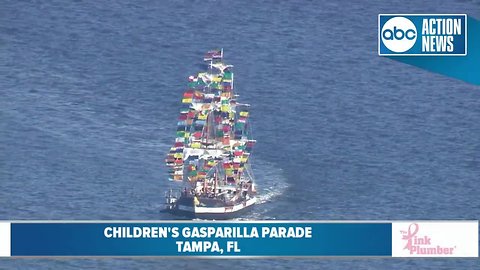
90	93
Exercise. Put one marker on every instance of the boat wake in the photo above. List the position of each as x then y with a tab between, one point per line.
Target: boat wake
270	181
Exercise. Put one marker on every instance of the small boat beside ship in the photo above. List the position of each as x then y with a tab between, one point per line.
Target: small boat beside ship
211	153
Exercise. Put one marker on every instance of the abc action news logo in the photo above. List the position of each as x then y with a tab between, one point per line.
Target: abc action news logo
422	34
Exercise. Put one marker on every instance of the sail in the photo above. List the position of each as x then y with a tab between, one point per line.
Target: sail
213	142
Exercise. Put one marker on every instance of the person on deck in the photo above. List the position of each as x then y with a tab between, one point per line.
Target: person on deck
196	202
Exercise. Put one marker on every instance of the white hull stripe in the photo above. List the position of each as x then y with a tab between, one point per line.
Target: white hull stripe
217	210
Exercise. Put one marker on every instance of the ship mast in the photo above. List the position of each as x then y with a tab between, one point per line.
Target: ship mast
211	132
215	183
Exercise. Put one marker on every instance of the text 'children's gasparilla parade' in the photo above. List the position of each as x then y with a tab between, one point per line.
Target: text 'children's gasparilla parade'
200	239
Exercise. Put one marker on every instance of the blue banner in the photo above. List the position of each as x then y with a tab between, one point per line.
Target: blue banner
239	239
201	239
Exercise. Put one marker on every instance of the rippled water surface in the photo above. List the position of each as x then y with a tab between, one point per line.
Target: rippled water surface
90	93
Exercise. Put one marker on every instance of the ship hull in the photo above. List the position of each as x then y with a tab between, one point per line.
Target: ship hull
217	212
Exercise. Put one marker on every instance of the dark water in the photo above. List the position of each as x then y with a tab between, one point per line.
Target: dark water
90	93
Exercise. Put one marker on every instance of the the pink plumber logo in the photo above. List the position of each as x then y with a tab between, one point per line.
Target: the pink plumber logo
418	244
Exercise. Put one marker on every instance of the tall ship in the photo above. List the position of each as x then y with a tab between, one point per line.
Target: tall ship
211	153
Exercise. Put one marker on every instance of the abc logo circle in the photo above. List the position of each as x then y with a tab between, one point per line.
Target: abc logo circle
399	34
